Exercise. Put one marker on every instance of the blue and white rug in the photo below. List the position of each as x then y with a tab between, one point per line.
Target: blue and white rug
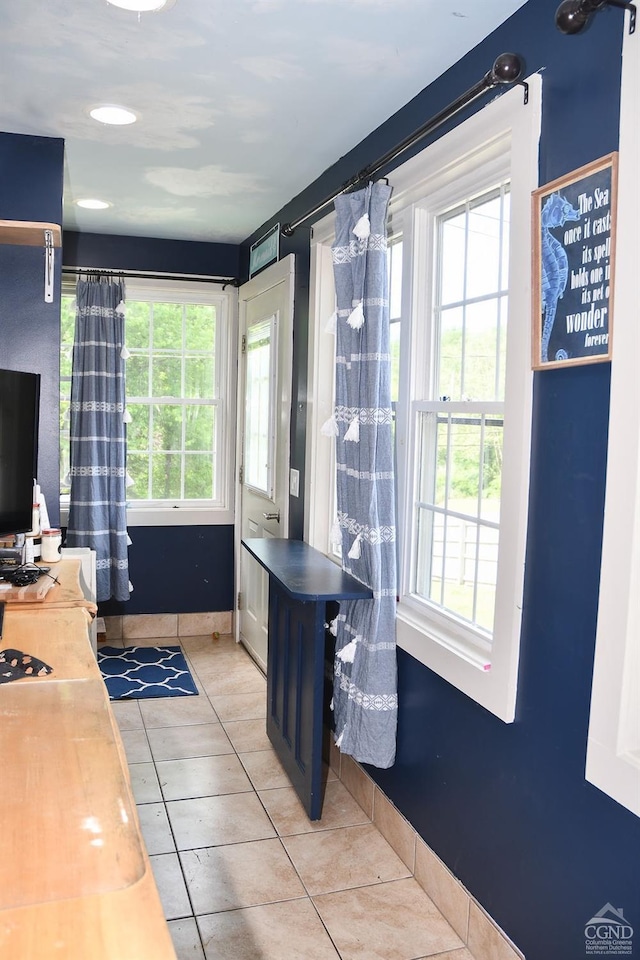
133	673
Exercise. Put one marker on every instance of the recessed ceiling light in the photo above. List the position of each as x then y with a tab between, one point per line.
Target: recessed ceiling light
143	6
113	114
90	204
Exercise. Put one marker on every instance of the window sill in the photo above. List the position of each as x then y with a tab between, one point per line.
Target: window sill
187	516
459	661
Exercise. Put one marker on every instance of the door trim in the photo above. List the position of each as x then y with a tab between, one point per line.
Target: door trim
270	277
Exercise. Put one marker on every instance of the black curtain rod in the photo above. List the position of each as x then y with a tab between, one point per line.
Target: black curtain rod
77	271
507	69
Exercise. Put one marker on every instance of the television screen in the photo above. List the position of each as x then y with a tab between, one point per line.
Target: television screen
19	410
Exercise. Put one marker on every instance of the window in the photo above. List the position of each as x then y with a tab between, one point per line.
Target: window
458	431
459	229
260	401
179	387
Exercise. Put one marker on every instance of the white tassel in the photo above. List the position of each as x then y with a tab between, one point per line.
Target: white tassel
348	653
120	310
130	587
329	428
335	535
353	433
128	481
125	353
126	417
356	317
331	704
129	540
339	739
354	553
362	228
333	627
331	323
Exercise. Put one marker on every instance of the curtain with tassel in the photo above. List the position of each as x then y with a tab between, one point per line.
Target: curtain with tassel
365	699
97	510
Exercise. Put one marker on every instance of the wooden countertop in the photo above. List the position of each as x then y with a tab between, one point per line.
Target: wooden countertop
75	878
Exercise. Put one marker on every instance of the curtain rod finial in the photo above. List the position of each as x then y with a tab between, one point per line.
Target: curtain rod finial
507	68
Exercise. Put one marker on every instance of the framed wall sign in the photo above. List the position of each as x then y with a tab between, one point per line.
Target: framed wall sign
264	251
574	221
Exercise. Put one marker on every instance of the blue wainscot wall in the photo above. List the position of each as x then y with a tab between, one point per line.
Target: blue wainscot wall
506	806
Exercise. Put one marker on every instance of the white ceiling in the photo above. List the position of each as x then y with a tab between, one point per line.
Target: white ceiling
242	103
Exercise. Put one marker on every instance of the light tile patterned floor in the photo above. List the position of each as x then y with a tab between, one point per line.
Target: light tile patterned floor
242	873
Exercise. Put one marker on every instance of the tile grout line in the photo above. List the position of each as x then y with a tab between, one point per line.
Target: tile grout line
253	789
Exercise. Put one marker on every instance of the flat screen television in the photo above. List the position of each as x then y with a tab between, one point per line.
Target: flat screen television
19	414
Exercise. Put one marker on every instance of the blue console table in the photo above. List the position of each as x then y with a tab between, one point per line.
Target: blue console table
301	582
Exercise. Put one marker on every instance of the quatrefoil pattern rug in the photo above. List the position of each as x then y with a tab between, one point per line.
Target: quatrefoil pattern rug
134	673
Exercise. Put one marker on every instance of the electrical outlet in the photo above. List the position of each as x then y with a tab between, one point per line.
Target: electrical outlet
294	482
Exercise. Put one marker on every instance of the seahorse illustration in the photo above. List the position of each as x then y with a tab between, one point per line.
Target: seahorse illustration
555	265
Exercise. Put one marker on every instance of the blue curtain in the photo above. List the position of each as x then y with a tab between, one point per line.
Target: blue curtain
365	688
97	511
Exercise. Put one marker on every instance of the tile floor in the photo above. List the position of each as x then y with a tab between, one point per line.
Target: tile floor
242	873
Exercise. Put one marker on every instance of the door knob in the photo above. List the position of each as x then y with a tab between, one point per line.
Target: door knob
272	516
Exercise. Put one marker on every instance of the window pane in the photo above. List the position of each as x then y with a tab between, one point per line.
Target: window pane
138	470
259	407
66	364
199	426
449	379
137	375
198	477
487	576
394	262
484	249
464	467
166	377
198	377
481	353
492	469
200	326
137	324
138	429
394	345
67	319
458	587
167	326
429	531
166	476
167	427
452	258
432	481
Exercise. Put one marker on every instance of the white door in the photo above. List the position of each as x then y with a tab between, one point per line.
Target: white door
264	414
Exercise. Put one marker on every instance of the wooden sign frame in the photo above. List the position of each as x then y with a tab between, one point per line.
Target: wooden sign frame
573	233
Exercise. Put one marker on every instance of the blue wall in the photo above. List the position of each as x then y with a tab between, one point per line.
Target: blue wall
506	806
31	175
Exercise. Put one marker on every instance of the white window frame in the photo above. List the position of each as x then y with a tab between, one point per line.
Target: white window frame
500	141
154	513
613	746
